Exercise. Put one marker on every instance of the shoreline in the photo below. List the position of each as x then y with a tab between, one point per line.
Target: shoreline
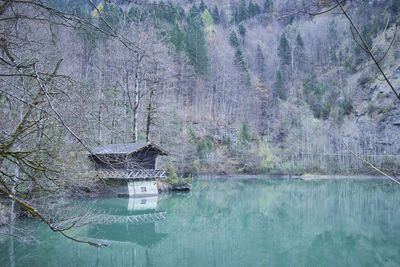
305	177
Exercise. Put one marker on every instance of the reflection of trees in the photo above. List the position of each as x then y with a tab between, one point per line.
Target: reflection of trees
246	223
280	222
144	235
116	223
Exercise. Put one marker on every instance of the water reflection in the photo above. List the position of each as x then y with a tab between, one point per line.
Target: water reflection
135	225
142	203
235	223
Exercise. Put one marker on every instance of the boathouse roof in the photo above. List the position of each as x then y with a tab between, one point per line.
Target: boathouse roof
126	148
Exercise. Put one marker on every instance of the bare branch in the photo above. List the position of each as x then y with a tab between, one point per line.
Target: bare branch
368	50
373	166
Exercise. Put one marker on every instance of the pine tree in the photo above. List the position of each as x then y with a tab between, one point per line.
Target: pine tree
233	40
193	12
395	6
262	95
284	51
365	33
241	12
195	45
177	37
260	62
215	15
299	41
202	6
113	15
239	59
299	54
242	30
280	90
222	17
245	135
334	44
268	6
240	62
253	9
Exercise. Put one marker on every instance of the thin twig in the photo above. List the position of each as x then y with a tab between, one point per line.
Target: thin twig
35	213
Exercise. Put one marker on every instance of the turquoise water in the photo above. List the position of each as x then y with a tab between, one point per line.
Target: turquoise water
253	222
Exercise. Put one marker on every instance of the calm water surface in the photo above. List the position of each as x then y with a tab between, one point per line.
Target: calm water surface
225	222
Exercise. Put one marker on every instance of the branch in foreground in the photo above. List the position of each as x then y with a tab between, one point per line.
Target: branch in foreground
312	14
368	50
35	213
372	166
364	45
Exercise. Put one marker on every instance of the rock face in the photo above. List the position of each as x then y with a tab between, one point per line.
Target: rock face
396	73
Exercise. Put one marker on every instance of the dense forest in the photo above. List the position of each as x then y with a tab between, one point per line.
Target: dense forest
257	86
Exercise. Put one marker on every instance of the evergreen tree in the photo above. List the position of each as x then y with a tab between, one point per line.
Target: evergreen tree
239	59
215	15
359	55
195	45
260	61
314	92
280	90
222	17
202	6
268	6
194	12
366	35
170	13
253	9
241	12
208	23
240	62
242	30
333	34
284	51
233	40
299	41
299	54
177	37
245	135
395	6
334	44
113	15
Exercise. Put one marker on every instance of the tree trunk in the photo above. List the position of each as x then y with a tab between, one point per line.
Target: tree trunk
149	112
136	104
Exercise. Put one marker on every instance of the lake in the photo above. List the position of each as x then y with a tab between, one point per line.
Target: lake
228	222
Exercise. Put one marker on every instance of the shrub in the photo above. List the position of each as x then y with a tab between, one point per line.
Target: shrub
345	106
364	80
173	178
267	159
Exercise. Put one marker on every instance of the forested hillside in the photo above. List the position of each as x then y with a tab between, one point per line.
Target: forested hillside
226	86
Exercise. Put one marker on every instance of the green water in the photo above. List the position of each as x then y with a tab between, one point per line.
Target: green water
254	222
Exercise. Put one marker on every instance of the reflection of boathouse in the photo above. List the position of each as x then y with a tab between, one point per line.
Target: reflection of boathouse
135	225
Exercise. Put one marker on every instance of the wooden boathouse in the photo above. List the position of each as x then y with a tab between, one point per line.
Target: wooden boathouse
128	161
